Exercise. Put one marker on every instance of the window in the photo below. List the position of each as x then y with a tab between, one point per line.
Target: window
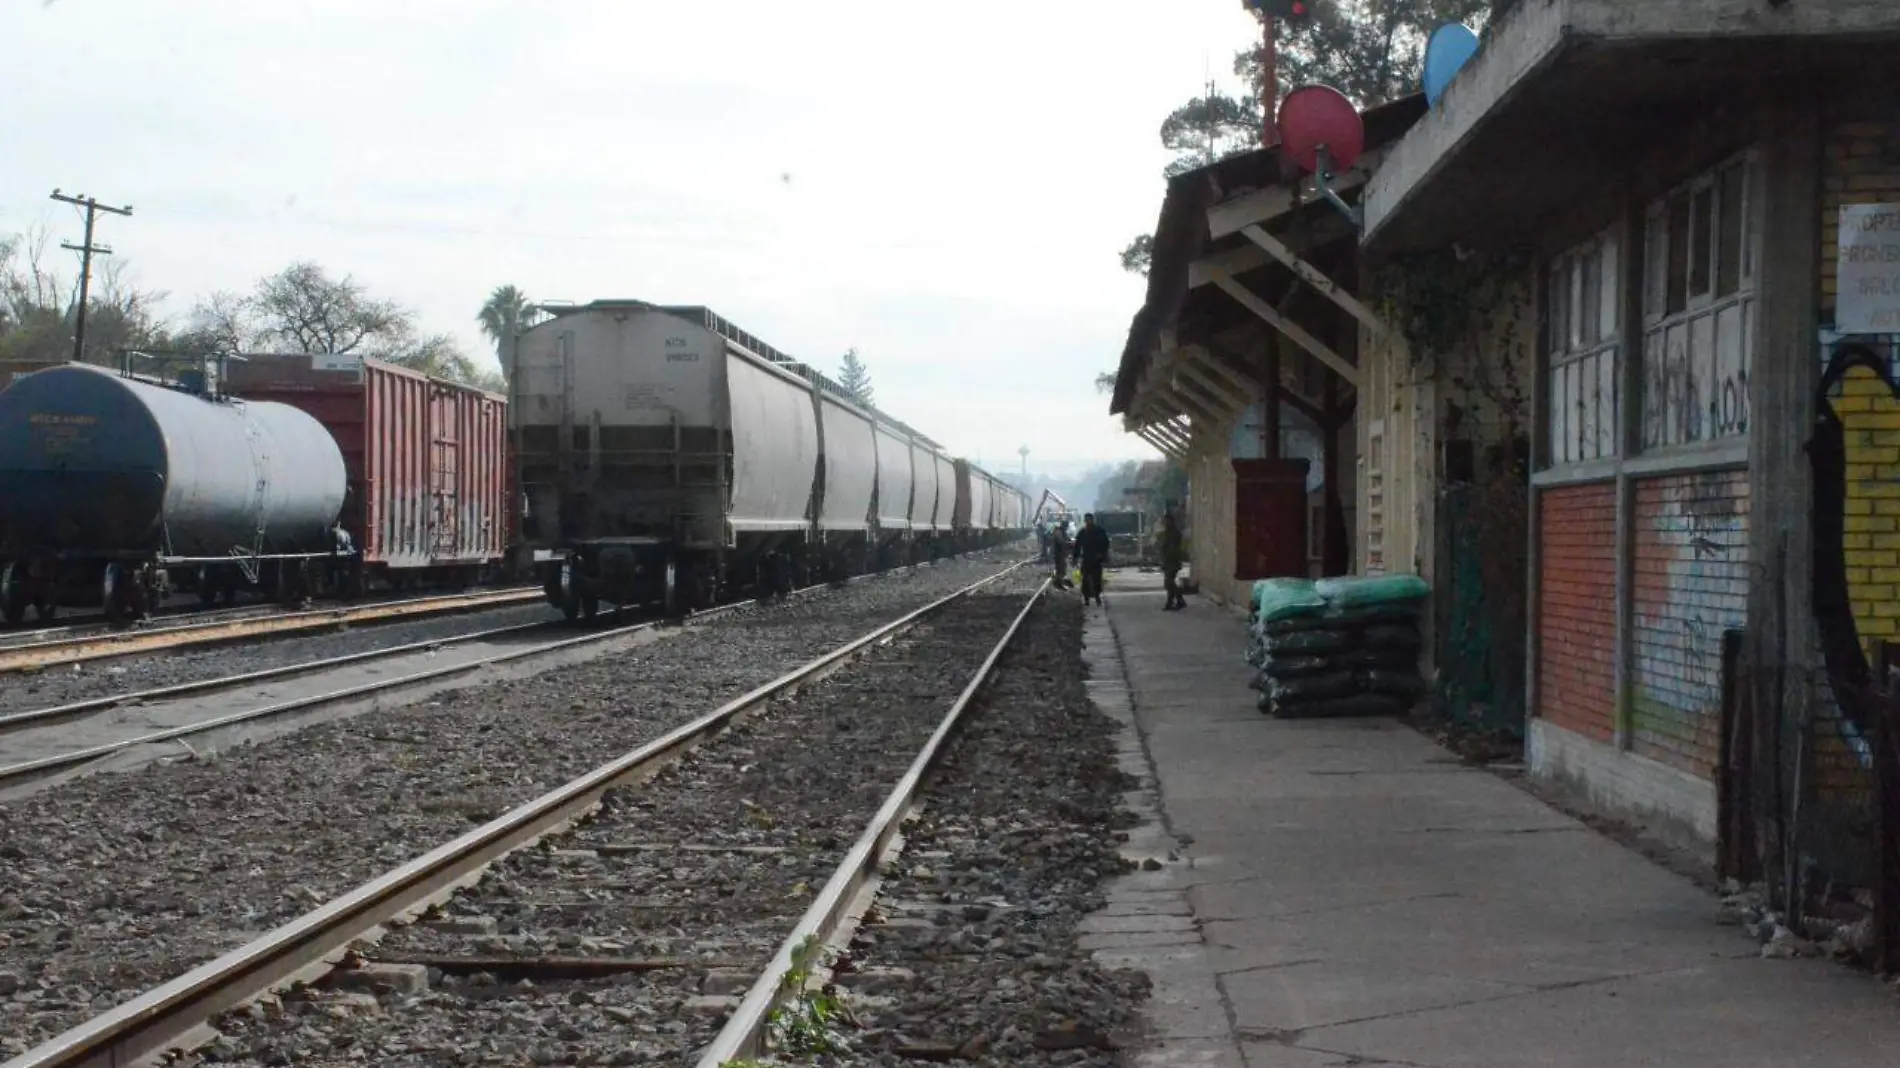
1698	318
1581	308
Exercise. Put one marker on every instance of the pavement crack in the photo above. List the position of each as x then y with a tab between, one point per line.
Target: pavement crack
1320	909
1251	968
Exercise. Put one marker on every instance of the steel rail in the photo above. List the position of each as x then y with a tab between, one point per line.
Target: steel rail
12	774
161	1017
10	721
125	643
744	1032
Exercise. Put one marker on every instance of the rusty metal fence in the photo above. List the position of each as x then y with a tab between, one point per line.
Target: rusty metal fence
1808	796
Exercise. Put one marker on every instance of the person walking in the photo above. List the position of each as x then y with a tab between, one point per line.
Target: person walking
1169	547
1091	548
1059	548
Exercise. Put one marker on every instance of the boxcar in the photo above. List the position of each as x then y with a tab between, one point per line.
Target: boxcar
428	500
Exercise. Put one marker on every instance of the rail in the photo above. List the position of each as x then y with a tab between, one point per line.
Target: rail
160	1018
39	655
745	1031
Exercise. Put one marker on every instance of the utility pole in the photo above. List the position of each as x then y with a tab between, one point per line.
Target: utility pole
86	252
1271	13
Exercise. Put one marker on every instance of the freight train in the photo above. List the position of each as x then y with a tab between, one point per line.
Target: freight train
294	475
651	455
666	457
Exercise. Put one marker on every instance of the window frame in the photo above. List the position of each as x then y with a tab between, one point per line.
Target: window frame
1588	277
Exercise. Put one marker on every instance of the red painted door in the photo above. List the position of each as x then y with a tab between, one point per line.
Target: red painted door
1269	519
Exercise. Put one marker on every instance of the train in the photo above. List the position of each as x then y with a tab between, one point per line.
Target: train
296	476
645	455
666	457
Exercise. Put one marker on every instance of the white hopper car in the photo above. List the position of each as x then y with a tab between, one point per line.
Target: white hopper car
664	456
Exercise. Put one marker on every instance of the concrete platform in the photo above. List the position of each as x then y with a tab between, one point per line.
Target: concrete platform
1347	893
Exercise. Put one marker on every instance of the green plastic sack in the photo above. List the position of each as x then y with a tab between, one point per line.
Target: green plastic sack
1371	592
1285	598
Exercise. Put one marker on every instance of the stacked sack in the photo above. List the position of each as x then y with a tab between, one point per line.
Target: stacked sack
1337	647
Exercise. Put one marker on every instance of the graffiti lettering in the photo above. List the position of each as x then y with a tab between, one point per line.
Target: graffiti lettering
1687	401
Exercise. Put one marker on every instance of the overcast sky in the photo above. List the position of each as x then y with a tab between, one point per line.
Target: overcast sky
945	186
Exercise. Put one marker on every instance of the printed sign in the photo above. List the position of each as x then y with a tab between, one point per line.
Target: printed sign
1867	292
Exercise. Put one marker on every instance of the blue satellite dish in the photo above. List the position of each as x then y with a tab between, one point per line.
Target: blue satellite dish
1450	48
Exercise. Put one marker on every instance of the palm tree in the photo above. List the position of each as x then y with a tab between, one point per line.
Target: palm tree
506	310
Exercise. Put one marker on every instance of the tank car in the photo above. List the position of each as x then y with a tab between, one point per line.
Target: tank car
665	456
114	489
428	502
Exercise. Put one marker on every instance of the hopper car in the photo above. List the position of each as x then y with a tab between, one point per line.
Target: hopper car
664	456
114	487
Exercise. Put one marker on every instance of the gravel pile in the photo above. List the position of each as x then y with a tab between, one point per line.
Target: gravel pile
971	951
103	678
697	876
112	884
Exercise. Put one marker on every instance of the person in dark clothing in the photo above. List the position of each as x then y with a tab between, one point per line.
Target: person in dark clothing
1059	548
1168	545
1091	548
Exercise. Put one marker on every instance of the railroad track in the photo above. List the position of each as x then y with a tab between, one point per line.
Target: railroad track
38	652
182	1012
22	772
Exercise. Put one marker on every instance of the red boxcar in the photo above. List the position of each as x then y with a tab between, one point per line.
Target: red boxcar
427	460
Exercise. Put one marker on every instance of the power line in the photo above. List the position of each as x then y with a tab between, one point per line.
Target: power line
86	252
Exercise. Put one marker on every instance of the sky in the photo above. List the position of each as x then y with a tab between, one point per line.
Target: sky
945	187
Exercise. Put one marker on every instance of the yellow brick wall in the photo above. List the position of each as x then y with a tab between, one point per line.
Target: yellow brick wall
1871	419
1860	165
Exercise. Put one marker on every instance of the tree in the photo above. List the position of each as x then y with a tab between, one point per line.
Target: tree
1139	255
38	308
1371	50
855	379
1105	382
1206	129
301	309
506	311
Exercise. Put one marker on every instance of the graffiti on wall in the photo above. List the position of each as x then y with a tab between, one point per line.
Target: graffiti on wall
1854	456
1691	585
1695	377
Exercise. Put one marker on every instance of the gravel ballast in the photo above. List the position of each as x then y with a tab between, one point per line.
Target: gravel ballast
66	683
112	884
971	953
704	870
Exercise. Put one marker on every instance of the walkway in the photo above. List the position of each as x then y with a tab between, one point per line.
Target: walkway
1347	893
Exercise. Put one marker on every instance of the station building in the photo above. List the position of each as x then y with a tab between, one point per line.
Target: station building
1609	358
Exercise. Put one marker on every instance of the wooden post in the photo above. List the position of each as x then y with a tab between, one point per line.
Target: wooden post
1781	387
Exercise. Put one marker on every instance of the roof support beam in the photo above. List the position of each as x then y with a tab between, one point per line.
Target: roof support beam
1224	409
1291	329
1289	396
1316	278
1237	399
1229	216
1160	445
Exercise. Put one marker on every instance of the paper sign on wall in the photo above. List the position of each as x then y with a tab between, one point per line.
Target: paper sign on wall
1867	294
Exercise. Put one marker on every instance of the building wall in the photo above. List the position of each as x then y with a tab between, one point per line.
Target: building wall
1576	630
1860	164
1648	304
1691	585
1211	516
1392	485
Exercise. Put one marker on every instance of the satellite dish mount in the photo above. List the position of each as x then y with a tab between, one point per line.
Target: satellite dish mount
1322	132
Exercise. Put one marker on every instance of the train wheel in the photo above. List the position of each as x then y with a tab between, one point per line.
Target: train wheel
12	595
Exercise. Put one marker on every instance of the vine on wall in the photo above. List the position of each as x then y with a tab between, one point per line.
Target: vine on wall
1464	317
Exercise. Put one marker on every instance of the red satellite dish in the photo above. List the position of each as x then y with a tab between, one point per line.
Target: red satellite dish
1319	115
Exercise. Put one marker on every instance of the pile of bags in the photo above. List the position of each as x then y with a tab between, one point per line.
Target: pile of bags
1337	647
